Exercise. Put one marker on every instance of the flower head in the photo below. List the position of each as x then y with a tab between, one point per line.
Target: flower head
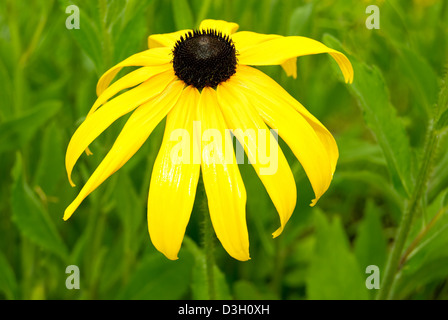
202	83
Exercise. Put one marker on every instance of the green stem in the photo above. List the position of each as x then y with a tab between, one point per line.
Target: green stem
208	242
421	235
393	262
107	47
203	11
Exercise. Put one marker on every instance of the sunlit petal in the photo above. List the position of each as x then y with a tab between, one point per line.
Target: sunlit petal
219	25
152	57
222	180
165	39
310	142
246	39
278	50
130	80
275	173
100	120
260	82
173	183
137	129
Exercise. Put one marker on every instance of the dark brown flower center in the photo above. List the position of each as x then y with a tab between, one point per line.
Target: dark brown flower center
204	58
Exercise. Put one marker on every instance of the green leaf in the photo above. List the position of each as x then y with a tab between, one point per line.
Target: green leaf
50	168
131	215
443	120
442	103
300	19
420	76
333	272
16	132
5	91
245	290
370	244
357	150
31	217
199	282
89	39
158	278
381	117
183	16
8	282
202	8
427	261
131	37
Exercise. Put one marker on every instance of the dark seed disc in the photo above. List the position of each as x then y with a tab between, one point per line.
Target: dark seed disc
204	58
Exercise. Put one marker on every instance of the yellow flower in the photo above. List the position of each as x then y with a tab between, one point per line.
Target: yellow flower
204	77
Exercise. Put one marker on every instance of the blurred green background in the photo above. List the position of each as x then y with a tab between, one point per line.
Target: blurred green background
48	75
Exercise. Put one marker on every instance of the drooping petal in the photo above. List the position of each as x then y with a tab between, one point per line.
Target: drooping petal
219	25
98	121
290	67
174	178
135	132
246	39
130	80
165	39
275	173
278	50
222	180
260	82
309	140
152	57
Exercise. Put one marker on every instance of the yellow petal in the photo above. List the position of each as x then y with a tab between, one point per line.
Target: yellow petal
219	25
130	80
152	57
278	50
245	39
165	39
98	121
173	183
290	67
222	180
135	132
310	142
263	83
275	173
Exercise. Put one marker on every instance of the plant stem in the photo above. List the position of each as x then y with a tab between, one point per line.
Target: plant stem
395	260
408	215
209	256
107	48
421	235
208	244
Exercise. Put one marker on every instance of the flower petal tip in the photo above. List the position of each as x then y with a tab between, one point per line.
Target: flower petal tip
66	216
172	258
349	80
241	256
247	258
277	232
169	253
313	202
71	182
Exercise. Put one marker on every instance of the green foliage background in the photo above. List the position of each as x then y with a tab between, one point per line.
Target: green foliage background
48	76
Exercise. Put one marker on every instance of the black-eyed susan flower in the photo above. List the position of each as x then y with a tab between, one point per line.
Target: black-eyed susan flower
203	77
